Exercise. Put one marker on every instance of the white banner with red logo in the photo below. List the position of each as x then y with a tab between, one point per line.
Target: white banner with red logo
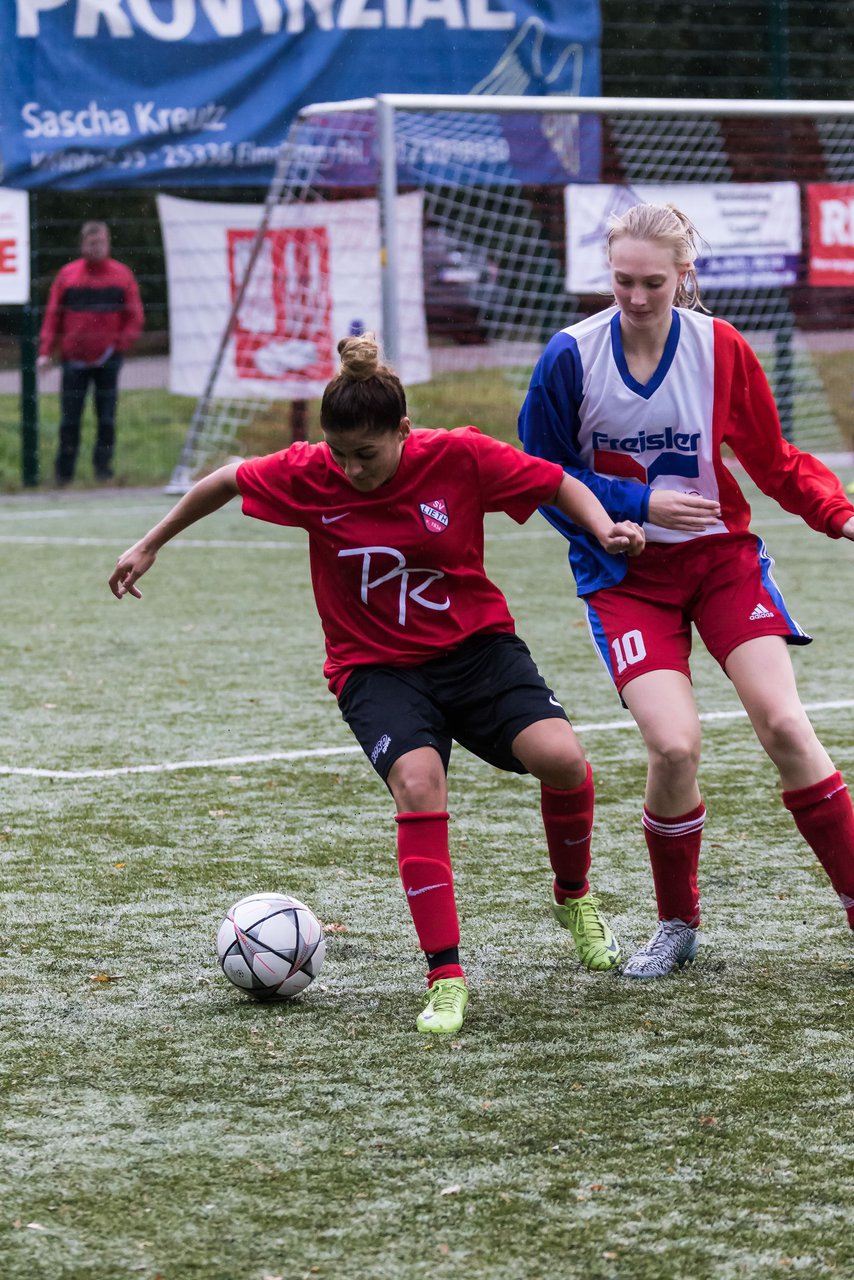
750	232
316	279
831	219
14	247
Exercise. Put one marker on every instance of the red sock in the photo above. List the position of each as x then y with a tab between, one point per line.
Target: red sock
444	971
425	869
674	851
568	820
825	818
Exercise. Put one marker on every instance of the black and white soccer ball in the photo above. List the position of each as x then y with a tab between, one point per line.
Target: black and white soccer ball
271	946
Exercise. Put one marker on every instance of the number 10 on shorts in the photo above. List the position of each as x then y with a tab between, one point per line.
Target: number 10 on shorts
628	649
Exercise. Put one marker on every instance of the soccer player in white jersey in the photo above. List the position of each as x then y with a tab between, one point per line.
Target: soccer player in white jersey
420	645
643	395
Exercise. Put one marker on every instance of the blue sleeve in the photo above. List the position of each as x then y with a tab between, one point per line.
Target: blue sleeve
549	427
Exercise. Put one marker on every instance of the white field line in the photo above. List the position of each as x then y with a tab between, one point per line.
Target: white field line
271	757
280	544
34	540
17	512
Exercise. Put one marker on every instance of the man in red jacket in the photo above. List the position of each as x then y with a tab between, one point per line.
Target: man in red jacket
94	316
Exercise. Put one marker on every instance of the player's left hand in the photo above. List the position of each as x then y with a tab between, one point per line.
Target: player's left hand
848	529
625	537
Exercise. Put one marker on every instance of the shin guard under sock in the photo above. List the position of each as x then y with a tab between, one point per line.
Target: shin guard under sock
674	852
824	815
568	821
425	870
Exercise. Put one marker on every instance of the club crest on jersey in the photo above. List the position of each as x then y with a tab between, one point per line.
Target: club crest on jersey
435	515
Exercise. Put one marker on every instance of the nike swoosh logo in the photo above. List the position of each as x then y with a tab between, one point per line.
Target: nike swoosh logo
413	893
332	519
553	700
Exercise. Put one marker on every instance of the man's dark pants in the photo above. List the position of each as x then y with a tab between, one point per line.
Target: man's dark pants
75	382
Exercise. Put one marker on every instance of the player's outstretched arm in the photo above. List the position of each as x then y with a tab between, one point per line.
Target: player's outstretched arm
583	508
208	495
687	512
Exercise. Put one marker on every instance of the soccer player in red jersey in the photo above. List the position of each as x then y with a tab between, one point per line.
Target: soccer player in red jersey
644	396
421	647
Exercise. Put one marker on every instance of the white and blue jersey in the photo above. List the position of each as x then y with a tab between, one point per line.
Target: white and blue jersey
624	439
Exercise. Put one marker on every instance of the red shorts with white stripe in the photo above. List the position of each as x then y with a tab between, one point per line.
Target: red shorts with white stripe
722	583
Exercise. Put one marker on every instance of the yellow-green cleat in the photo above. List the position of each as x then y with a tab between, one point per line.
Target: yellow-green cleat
595	943
446	1006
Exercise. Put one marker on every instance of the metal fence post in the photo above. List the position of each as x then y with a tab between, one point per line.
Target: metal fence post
29	335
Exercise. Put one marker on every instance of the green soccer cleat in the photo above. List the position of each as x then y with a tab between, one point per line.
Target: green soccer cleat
595	943
446	1005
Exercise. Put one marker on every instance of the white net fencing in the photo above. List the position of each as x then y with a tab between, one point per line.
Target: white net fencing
492	257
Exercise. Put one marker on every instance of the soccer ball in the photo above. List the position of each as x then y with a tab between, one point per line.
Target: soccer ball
271	946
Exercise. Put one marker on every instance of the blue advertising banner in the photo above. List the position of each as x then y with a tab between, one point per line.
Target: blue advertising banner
99	93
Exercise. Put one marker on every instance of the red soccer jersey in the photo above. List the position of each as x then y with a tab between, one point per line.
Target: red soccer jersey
398	573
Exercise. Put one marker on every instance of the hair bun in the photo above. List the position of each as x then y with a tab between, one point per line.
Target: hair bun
360	357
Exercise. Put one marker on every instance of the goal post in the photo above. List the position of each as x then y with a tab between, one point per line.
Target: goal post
474	227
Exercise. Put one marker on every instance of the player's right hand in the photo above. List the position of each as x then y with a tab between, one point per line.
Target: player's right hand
129	567
687	512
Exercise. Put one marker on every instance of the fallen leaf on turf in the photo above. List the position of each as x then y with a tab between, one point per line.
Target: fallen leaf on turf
105	977
443	1249
450	1191
35	1226
708	1120
120	866
333	927
597	1186
609	1254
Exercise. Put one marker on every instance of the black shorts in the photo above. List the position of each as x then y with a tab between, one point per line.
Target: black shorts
481	696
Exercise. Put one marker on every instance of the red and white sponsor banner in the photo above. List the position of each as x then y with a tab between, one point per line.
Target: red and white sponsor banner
14	247
316	280
831	222
750	232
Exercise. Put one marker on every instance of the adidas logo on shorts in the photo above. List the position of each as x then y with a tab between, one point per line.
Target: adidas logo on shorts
760	612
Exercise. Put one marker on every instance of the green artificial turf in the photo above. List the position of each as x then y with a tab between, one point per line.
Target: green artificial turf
156	1123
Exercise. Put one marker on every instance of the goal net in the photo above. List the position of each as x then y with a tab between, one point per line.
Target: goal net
467	231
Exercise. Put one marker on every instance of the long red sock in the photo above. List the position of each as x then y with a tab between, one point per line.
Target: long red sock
824	815
425	869
568	820
674	852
